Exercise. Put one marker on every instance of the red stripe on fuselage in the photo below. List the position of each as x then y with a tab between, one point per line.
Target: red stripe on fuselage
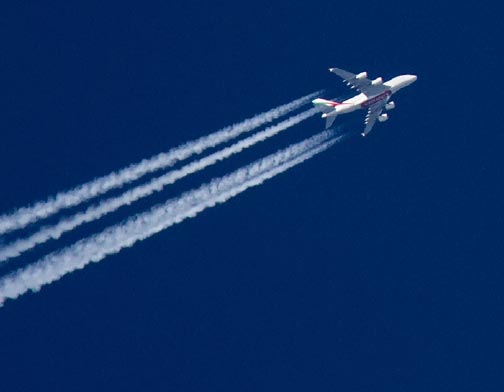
376	99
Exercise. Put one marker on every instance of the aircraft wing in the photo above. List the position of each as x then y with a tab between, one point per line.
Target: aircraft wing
359	82
373	113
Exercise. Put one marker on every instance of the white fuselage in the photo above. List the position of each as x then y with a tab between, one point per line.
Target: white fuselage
363	101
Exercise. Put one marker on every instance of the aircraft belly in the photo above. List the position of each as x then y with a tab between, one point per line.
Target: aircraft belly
347	108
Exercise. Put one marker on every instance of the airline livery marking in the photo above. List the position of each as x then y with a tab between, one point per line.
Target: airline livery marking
376	99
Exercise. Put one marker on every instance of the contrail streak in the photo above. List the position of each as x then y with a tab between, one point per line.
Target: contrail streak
24	216
110	205
142	226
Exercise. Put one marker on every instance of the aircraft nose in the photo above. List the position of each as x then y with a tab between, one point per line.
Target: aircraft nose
413	78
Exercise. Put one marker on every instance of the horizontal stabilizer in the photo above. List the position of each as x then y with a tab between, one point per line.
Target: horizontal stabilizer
329	121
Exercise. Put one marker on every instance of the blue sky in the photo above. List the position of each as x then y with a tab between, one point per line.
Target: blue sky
374	266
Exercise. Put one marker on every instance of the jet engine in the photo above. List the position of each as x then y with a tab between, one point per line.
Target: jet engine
383	117
377	82
390	105
362	75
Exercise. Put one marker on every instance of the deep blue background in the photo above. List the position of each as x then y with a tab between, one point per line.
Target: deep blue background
376	266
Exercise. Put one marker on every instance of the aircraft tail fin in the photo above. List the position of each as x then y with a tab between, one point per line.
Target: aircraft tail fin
325	105
328	108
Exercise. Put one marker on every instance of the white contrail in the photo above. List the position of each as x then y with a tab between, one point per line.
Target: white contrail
24	216
110	205
139	227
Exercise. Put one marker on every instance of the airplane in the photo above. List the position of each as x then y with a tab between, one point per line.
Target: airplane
374	97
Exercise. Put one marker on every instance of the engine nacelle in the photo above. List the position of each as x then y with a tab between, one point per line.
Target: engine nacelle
390	105
383	117
377	82
362	75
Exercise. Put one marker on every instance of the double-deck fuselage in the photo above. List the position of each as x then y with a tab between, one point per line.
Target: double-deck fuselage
374	97
363	101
